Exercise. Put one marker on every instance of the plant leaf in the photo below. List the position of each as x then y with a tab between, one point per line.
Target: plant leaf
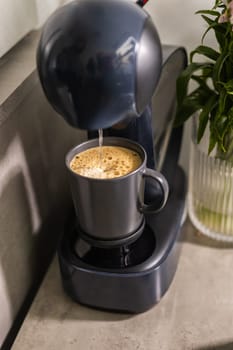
219	3
221	102
222	127
204	115
219	33
201	80
212	142
217	70
228	86
207	72
208	20
205	51
208	12
192	103
221	39
184	78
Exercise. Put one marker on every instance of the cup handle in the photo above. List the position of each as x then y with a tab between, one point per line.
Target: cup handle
162	182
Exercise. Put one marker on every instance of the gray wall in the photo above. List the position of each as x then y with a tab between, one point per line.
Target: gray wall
34	196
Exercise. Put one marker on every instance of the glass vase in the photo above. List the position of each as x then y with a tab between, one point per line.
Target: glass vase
210	195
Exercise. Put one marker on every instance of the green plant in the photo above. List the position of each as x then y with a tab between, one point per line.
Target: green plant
213	77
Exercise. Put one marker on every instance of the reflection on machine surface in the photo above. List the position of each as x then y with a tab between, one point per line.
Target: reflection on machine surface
117	257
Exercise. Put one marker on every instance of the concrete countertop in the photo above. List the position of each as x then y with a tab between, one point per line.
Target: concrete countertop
195	313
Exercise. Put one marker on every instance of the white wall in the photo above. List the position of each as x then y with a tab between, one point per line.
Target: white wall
45	8
177	22
19	17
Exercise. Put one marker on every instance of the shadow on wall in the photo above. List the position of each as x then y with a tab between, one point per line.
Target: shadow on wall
225	346
17	256
34	198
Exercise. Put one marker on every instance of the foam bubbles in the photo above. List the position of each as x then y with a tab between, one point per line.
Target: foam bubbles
106	162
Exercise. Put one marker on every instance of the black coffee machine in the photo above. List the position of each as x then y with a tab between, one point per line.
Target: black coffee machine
102	66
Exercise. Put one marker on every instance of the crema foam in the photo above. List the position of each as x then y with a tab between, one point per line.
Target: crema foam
106	162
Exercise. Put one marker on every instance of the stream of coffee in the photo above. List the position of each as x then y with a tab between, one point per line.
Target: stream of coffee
100	147
100	137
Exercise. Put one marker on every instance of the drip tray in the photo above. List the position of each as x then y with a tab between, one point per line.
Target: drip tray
118	257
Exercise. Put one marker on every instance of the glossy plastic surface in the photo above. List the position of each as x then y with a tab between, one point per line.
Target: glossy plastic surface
92	58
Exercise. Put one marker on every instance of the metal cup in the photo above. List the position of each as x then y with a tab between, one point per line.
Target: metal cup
113	209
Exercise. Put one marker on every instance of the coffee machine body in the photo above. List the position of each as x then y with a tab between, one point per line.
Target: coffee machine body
134	277
101	65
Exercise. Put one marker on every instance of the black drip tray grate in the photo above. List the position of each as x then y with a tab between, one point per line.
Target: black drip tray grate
118	257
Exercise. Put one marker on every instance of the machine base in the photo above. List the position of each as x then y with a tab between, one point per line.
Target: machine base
132	288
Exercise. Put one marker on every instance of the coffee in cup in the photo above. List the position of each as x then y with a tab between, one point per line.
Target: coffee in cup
112	208
106	162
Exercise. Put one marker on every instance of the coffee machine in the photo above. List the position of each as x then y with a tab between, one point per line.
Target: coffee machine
102	66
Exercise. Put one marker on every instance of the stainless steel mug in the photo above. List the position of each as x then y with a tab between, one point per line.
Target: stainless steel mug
113	209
